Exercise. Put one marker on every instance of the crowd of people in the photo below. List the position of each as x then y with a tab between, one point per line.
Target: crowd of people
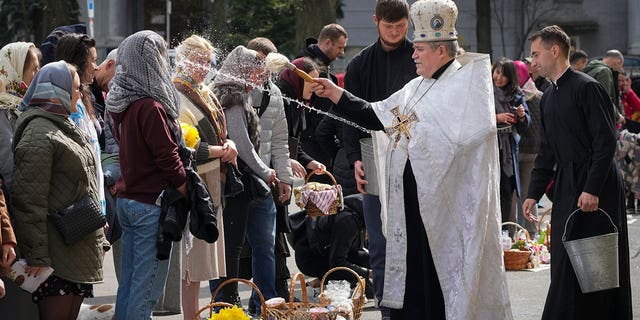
458	141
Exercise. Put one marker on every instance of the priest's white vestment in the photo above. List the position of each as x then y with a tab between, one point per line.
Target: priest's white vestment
454	156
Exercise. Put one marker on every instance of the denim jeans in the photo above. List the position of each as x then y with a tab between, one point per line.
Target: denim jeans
261	235
142	276
377	244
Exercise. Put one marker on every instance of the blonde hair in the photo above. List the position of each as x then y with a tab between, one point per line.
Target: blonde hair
193	43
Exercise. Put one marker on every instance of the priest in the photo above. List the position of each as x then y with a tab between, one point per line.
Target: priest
577	146
436	142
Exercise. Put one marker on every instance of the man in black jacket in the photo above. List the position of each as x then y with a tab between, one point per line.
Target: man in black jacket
379	70
330	46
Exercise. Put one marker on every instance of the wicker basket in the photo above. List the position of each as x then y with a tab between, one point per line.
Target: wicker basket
299	310
357	298
311	208
213	304
515	259
547	226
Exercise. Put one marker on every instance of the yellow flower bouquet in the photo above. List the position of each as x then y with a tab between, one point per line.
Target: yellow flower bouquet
233	313
190	134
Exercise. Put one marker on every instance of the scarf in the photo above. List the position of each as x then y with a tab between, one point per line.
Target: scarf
503	105
142	71
204	100
50	90
296	82
12	59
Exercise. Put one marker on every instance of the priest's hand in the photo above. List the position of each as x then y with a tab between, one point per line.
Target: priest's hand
588	202
358	170
297	169
325	88
527	208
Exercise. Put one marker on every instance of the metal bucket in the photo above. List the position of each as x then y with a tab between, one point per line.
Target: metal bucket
369	162
594	259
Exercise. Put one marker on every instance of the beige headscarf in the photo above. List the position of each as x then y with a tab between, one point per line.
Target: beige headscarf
12	58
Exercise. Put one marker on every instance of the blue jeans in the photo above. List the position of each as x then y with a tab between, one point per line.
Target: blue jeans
143	276
377	244
261	235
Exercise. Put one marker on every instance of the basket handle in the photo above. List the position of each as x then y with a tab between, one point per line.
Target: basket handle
360	287
247	282
292	286
566	224
526	233
546	212
210	306
335	183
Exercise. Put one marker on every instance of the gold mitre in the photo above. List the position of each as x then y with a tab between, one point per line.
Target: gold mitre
434	20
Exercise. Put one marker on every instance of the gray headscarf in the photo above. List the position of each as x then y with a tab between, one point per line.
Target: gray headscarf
142	70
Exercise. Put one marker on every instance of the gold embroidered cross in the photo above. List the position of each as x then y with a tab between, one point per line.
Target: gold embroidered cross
401	125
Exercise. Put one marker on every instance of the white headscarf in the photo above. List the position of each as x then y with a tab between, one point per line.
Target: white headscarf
142	70
12	58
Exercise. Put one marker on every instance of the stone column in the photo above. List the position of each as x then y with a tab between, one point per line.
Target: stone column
634	27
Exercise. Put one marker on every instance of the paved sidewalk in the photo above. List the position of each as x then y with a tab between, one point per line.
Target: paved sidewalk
527	289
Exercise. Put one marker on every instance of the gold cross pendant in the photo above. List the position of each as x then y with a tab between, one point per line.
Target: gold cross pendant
401	125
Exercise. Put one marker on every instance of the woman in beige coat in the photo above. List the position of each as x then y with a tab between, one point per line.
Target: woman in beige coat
199	108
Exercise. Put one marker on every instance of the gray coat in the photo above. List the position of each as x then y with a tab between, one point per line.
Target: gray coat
274	135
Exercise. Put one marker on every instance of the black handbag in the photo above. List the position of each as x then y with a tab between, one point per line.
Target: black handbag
78	220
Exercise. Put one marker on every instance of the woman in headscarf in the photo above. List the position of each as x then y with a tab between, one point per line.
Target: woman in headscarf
144	104
242	70
512	117
296	91
54	168
202	261
19	63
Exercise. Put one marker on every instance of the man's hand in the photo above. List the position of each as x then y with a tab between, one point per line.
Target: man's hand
325	88
527	208
506	117
298	169
316	167
284	193
588	202
8	255
358	170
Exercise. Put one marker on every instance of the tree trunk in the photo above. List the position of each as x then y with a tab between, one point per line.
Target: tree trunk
483	26
311	16
219	22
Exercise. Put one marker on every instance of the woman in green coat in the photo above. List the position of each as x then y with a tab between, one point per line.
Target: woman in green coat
53	168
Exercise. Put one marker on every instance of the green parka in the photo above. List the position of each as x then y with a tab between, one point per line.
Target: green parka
54	167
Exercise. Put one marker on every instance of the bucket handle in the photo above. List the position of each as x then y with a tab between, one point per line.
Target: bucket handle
564	233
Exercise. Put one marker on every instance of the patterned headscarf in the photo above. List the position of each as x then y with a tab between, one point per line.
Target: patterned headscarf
238	66
12	58
142	71
50	89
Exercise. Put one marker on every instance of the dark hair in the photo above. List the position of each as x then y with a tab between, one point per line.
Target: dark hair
332	31
553	35
392	10
74	48
262	45
578	55
508	69
309	65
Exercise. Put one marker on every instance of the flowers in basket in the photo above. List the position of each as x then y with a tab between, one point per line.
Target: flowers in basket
233	313
538	252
